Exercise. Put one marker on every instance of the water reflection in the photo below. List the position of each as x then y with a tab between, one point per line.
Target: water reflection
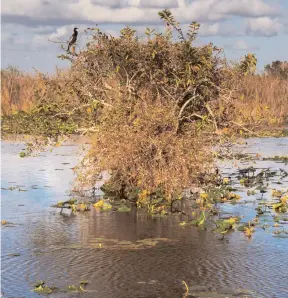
62	249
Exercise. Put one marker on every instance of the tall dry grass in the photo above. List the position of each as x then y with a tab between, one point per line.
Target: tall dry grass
261	100
17	90
257	100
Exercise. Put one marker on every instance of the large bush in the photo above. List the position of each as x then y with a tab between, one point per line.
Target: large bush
154	106
153	132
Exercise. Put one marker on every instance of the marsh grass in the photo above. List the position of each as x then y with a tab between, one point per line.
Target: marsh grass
262	100
17	90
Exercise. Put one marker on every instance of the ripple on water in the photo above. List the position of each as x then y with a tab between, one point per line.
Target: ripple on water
63	249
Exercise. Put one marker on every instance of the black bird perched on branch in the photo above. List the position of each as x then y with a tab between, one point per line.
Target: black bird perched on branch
72	39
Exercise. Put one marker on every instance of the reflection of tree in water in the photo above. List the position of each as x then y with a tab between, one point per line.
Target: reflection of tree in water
53	231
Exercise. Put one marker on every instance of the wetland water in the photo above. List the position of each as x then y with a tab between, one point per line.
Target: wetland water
63	249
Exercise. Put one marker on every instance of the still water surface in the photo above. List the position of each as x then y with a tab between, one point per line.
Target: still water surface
63	249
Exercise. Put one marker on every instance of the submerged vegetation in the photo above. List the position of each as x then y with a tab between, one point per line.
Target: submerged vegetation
206	210
42	289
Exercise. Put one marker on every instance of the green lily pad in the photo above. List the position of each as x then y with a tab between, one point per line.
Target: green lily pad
40	288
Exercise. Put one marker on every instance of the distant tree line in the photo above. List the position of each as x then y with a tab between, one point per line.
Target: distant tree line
277	68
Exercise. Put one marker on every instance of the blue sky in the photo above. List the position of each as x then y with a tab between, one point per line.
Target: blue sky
238	26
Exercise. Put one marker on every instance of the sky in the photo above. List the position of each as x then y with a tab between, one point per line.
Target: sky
31	29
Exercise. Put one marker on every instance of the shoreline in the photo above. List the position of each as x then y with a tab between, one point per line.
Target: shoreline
73	139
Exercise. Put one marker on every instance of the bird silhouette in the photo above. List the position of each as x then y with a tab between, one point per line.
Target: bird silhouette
72	39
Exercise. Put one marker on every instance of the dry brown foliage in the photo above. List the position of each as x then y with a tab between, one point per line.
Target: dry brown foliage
138	142
153	106
262	100
17	91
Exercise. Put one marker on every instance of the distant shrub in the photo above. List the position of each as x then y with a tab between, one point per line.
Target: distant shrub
277	69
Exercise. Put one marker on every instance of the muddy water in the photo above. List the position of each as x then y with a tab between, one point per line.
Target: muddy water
64	249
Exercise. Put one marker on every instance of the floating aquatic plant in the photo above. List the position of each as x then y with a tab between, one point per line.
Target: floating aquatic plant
226	225
124	208
40	288
282	205
248	231
99	204
74	208
80	288
251	192
183	224
276	193
82	207
102	205
226	180
280	234
22	154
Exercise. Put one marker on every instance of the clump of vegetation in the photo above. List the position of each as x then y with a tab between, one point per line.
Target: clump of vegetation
277	69
41	288
217	194
156	110
22	154
56	109
223	226
80	288
17	91
262	100
73	205
278	158
124	209
280	234
248	231
154	107
6	223
276	193
103	205
282	205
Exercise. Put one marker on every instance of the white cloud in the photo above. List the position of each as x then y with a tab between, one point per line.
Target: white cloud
263	27
253	8
158	3
28	24
111	3
241	45
217	29
128	11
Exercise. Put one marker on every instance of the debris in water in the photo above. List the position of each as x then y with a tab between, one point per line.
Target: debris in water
14	255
